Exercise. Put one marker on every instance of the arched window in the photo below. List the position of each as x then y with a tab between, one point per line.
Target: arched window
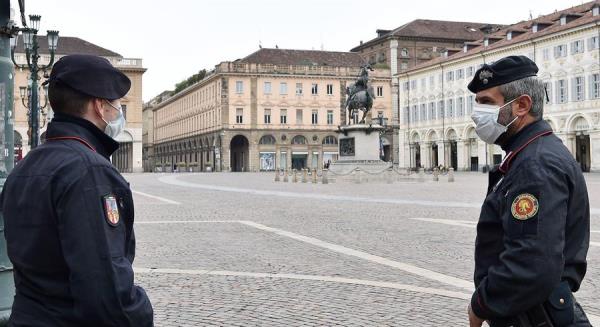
330	140
267	139
299	139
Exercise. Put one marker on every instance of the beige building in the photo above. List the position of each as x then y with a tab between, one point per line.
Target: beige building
129	156
436	128
273	109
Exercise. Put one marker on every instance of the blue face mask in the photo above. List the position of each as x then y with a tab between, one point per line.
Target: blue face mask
116	126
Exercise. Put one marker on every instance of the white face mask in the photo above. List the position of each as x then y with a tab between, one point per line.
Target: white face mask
487	126
116	126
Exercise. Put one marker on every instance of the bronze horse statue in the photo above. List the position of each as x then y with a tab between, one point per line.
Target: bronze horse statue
360	95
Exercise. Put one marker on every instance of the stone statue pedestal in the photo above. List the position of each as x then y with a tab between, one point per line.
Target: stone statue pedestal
359	153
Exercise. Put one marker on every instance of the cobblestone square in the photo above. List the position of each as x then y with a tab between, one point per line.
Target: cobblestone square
238	249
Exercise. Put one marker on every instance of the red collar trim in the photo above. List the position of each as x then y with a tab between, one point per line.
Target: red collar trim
80	140
505	165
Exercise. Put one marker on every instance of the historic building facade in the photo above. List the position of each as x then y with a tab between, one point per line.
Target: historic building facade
273	109
129	156
436	128
412	44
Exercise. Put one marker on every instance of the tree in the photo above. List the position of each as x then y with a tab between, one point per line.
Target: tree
189	81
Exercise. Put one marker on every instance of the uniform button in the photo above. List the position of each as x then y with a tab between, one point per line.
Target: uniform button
562	301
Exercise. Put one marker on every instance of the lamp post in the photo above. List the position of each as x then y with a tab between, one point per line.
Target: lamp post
32	55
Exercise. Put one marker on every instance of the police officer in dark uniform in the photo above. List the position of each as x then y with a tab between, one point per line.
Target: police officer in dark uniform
69	213
533	231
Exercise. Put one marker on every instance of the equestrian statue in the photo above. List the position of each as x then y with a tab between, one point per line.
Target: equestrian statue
360	95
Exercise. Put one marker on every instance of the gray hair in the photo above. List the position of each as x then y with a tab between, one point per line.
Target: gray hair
531	86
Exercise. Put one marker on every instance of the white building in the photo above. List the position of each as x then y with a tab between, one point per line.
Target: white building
436	128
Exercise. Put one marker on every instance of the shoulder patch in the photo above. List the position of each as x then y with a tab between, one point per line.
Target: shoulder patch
110	209
524	206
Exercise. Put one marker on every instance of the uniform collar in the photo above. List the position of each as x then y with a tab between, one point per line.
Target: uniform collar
525	134
63	125
521	140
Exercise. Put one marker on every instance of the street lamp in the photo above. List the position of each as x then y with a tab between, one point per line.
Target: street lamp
31	46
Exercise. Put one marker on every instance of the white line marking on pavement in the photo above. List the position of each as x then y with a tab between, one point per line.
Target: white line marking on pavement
462	223
143	222
469	224
172	180
449	280
155	197
404	287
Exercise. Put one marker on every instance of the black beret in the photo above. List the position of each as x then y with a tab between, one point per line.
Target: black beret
90	75
505	70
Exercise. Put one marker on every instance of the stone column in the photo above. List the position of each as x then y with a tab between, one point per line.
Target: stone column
441	153
426	155
481	153
595	151
403	159
460	155
397	143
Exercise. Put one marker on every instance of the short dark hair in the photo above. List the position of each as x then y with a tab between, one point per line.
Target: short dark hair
66	100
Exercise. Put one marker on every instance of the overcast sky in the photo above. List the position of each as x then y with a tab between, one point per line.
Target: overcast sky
177	38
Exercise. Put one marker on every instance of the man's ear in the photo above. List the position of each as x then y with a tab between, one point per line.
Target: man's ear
523	105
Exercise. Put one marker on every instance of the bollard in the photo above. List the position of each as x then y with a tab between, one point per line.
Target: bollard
294	176
436	174
304	175
277	175
421	175
285	176
388	175
357	178
325	181
451	175
314	176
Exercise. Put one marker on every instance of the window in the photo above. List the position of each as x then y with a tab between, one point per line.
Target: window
546	54
267	116
404	65
124	107
460	107
282	88
561	91
593	43
298	88
423	113
239	87
470	71
267	88
450	108
413	84
329	89
441	112
380	91
406	85
423	83
299	139
299	116
432	115
267	139
470	104
578	89
560	51
283	116
314	89
404	52
460	74
329	117
315	117
414	114
548	87
431	81
595	86
577	47
329	140
239	116
450	76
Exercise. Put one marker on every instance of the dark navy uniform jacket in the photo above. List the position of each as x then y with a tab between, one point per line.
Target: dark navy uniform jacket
72	254
533	231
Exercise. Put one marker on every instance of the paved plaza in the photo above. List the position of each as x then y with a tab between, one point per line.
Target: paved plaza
238	249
